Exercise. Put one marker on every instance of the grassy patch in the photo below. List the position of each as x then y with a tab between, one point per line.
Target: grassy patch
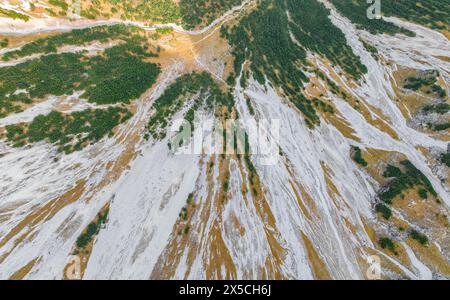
61	5
164	30
13	14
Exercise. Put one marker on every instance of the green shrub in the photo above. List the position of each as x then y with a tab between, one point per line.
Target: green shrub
445	159
4	43
384	210
423	193
92	230
357	156
392	171
440	108
420	237
60	3
438	90
190	198
184	214
387	243
415	83
441	127
186	230
13	14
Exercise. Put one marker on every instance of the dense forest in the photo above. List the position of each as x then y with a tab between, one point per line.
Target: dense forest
356	11
120	74
190	13
117	76
264	39
202	85
68	132
76	37
204	12
148	11
432	13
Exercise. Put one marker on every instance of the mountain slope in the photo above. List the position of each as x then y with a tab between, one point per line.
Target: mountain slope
361	161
